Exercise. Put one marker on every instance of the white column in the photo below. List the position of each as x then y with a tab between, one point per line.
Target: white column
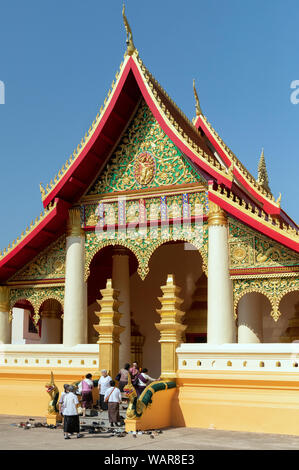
221	324
51	322
121	282
250	319
75	308
5	328
51	331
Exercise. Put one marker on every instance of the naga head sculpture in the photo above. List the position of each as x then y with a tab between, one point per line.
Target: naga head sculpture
50	387
129	390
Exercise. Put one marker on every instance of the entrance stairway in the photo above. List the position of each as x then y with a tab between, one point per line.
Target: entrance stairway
99	420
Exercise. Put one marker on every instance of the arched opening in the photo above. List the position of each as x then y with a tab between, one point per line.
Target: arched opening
100	271
255	323
178	258
185	262
253	310
289	325
23	328
50	322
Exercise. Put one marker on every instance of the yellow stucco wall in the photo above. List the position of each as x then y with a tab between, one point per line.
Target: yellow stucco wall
22	391
264	402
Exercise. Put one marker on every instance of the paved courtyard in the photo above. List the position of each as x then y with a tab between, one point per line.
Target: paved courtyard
12	437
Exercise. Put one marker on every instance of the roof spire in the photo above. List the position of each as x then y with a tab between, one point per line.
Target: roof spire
262	178
197	105
130	44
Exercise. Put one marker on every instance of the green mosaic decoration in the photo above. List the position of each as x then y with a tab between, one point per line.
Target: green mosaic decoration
274	289
250	249
144	243
50	264
145	135
36	296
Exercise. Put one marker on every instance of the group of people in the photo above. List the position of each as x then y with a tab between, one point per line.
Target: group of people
110	396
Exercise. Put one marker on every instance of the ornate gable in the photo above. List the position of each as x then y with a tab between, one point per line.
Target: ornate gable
145	158
50	264
250	249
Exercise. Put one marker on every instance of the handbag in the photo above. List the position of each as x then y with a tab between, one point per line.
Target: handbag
106	400
118	377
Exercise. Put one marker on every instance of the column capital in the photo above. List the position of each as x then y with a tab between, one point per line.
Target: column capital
51	309
120	251
216	215
4	299
74	223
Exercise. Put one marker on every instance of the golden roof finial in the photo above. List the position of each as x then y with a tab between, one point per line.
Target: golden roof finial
42	190
130	44
278	199
197	105
262	178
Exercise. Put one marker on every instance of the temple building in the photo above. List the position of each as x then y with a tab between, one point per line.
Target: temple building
156	243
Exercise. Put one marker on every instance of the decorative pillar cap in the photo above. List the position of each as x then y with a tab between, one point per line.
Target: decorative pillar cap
120	251
4	299
216	215
74	223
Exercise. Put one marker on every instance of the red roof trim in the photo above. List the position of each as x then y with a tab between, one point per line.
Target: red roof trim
92	140
267	206
254	223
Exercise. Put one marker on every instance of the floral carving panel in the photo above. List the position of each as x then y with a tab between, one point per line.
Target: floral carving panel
50	264
145	157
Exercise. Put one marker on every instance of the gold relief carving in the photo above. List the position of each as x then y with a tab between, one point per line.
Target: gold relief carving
49	264
92	219
261	251
144	168
74	223
144	157
36	296
144	248
239	252
4	299
216	215
273	288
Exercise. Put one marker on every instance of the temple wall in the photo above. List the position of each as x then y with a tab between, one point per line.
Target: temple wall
252	388
25	369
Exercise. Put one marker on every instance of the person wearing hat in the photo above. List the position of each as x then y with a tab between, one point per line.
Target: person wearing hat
70	413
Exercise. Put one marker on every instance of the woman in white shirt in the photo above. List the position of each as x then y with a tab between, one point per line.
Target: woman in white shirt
104	384
61	401
71	418
113	398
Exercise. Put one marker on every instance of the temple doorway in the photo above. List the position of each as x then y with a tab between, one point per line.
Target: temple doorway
185	263
178	258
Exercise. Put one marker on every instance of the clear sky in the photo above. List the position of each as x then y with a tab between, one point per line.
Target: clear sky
58	59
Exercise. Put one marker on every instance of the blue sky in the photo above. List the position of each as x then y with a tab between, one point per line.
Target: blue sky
58	59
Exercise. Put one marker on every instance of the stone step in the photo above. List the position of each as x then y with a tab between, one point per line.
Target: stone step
99	421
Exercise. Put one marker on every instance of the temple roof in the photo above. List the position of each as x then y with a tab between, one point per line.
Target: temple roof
230	184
